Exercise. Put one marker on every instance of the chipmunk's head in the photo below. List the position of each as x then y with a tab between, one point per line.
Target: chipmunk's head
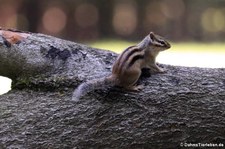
158	42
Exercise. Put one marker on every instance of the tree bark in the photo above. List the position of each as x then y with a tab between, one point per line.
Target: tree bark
183	106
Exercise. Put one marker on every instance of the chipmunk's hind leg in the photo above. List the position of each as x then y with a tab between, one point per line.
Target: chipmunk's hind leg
130	79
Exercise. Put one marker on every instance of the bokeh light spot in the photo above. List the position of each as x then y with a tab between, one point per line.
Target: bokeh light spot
219	20
125	18
8	16
213	20
54	20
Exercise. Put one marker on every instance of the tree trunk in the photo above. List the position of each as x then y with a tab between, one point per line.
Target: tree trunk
182	107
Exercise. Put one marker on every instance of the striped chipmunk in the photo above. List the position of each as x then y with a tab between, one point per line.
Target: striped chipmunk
127	68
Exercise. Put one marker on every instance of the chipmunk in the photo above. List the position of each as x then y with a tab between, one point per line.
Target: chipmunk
127	68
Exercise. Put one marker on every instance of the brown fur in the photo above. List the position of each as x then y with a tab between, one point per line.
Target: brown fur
127	68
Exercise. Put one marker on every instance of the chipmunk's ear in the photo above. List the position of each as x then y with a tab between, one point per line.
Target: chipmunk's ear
152	36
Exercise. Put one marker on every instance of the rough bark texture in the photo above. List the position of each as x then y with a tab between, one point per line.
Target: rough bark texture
184	105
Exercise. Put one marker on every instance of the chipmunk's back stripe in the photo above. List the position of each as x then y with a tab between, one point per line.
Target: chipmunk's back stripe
121	55
135	58
131	52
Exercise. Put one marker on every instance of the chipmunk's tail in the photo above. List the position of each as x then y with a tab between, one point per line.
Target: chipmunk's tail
89	86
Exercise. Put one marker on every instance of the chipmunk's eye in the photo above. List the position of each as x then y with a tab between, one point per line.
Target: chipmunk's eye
161	42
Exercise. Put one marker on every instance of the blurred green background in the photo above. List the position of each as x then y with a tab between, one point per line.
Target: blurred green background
196	28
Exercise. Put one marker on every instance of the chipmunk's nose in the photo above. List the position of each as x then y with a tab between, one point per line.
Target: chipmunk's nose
168	45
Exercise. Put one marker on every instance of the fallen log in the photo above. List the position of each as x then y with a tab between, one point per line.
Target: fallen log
183	107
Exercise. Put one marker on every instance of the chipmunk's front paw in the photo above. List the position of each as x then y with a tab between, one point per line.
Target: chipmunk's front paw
162	70
135	88
138	87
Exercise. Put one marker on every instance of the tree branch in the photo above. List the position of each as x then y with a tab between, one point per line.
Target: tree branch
184	105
